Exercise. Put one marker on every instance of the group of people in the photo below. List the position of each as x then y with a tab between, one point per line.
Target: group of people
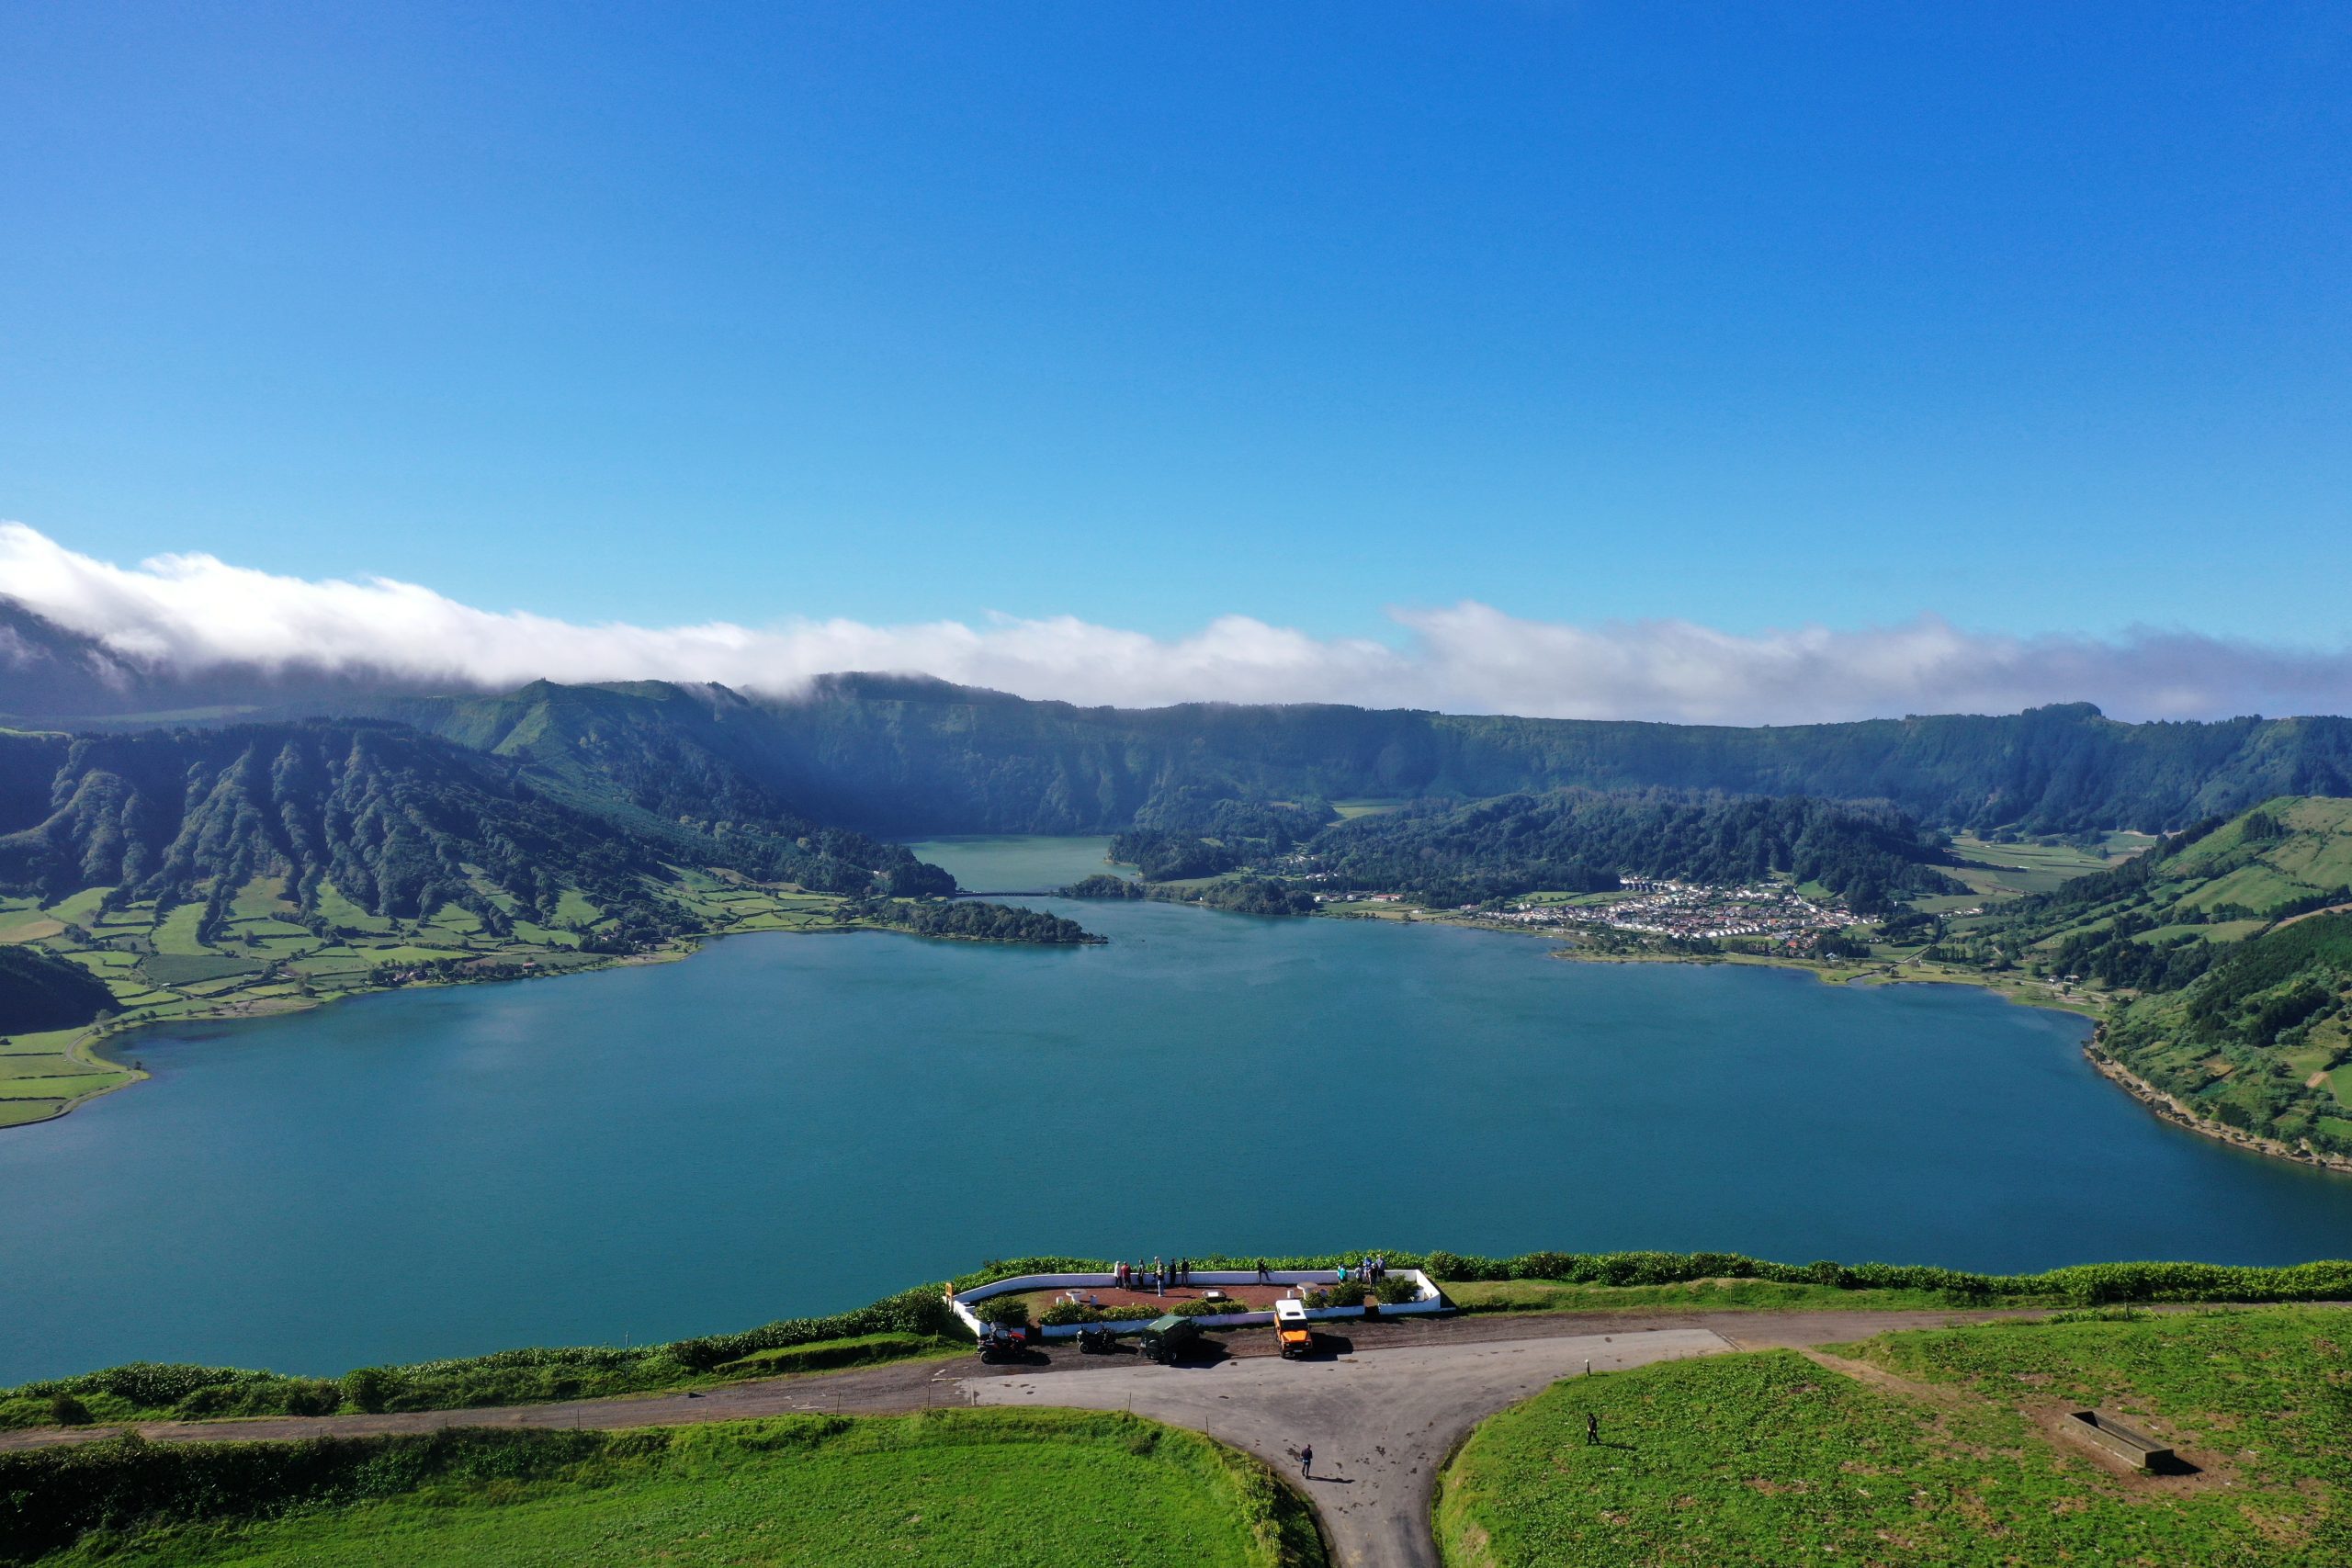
1157	1276
1160	1278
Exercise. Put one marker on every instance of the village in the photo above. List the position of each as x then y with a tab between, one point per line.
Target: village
1774	911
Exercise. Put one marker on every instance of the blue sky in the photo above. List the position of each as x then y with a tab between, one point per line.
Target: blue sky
2031	317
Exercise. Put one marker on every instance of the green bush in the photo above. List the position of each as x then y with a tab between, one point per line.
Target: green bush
367	1387
923	1310
64	1410
211	1400
1004	1312
1062	1313
1396	1290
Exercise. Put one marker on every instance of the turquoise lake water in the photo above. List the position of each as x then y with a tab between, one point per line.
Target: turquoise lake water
789	1124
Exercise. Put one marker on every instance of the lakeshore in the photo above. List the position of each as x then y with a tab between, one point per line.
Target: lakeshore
652	1150
2171	1110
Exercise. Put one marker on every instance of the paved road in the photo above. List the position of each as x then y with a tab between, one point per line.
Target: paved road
1381	1421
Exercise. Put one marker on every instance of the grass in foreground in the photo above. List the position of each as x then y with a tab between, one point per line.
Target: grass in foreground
1700	1295
1773	1459
1041	1488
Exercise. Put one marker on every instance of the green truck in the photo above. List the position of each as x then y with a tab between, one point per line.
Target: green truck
1167	1339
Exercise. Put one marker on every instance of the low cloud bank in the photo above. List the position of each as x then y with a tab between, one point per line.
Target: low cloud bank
194	613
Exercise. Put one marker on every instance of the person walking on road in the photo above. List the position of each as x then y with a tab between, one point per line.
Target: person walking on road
1307	1461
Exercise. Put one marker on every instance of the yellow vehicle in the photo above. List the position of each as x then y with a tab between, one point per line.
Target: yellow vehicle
1289	1328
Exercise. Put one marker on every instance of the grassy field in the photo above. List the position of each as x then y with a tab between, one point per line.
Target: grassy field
2006	870
1697	1295
1938	1447
1038	1488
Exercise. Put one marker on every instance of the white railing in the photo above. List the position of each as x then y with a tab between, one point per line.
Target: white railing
1426	1297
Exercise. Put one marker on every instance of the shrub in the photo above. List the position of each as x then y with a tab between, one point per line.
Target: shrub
367	1387
1005	1312
923	1310
211	1400
313	1396
1070	1311
64	1410
1396	1290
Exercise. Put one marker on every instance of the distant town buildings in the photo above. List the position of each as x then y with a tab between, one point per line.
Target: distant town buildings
1771	910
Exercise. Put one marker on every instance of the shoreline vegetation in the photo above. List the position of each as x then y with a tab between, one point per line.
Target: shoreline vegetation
2216	962
2169	1110
918	1322
295	966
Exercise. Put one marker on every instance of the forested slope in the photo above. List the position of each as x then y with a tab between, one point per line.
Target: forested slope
397	822
908	757
1581	841
38	991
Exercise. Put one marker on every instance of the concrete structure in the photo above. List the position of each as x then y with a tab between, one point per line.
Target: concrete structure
2136	1448
1426	1296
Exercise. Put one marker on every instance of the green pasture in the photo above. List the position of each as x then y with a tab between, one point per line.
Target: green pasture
79	908
340	911
2215	930
2012	870
262	898
1953	1455
70	1086
1038	1488
575	909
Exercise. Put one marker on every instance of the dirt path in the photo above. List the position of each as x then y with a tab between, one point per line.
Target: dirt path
1382	1405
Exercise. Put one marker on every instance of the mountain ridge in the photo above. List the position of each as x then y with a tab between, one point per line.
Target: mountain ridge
909	756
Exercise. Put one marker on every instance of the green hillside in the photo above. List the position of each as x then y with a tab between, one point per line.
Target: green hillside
1946	1447
2226	972
1580	841
909	757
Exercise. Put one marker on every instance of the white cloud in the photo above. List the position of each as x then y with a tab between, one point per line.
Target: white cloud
195	611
